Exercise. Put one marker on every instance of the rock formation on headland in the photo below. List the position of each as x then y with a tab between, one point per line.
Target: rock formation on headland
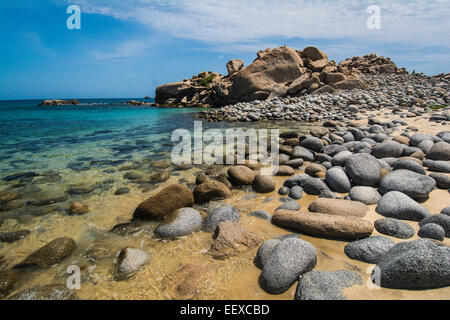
274	73
59	102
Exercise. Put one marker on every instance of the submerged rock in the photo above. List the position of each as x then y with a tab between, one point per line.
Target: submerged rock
49	292
160	205
14	236
179	223
218	215
50	254
129	262
230	238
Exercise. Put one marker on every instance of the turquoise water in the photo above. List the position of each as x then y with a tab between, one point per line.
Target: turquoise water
107	131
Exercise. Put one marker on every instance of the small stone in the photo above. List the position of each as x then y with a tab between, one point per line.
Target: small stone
432	231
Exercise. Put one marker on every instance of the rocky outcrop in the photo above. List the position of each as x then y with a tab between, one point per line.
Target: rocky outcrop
369	64
278	72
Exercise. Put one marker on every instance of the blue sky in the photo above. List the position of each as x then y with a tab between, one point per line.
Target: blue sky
126	48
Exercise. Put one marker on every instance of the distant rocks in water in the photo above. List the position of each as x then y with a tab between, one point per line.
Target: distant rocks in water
173	197
230	238
135	103
416	265
288	260
324	225
397	205
50	254
49	292
369	250
10	237
394	228
59	102
218	215
179	223
129	262
326	285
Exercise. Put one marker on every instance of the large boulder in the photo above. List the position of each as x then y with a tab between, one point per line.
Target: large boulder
394	228
440	151
441	219
52	253
337	180
277	66
287	261
167	91
339	207
230	238
389	149
179	223
173	197
263	184
363	170
413	184
398	205
369	250
415	265
366	195
326	285
324	225
211	190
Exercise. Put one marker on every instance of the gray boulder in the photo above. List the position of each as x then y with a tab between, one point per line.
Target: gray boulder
446	211
397	205
366	195
363	170
181	222
440	151
394	228
410	165
312	143
442	180
264	251
340	159
302	153
438	166
290	205
314	186
296	193
387	149
288	260
415	265
218	215
416	186
432	231
337	180
326	285
440	219
369	250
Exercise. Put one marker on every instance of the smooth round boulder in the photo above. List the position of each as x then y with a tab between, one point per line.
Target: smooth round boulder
264	251
173	197
366	195
312	143
442	180
432	231
446	211
409	165
414	185
394	228
284	171
369	250
314	186
290	205
387	149
363	170
287	261
341	158
302	153
263	184
416	265
218	215
439	151
179	223
283	191
241	175
398	205
325	285
337	180
296	193
211	190
440	219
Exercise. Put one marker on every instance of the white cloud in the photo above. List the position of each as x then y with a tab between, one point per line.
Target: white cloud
220	22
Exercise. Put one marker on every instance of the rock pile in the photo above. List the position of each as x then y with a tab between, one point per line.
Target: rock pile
274	73
369	64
